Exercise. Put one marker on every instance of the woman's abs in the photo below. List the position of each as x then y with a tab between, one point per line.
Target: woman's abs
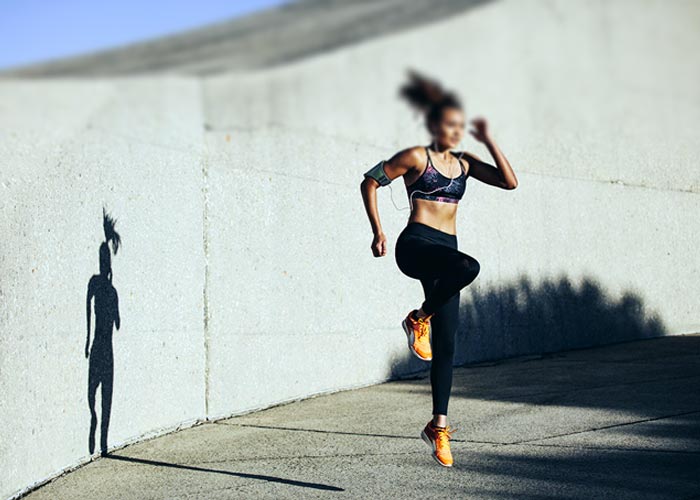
441	216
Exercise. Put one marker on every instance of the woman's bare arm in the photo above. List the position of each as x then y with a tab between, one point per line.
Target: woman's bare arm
501	176
402	162
396	166
485	172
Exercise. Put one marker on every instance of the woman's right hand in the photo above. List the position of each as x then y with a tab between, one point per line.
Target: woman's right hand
379	245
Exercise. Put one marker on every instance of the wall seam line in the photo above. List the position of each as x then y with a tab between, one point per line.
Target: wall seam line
205	245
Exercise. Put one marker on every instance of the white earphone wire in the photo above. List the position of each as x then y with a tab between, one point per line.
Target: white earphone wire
452	179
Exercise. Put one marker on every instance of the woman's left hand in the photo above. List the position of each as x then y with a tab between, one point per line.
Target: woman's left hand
481	132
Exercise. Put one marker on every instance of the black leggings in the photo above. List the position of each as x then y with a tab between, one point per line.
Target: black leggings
431	256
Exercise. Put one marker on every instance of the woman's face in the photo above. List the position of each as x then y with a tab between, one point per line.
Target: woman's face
450	130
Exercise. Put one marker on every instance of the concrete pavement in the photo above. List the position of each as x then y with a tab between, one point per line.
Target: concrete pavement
620	421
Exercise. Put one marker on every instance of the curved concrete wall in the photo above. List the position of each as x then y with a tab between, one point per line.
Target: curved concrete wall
245	277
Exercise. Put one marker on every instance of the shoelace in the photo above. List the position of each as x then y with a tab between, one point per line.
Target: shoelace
444	435
423	327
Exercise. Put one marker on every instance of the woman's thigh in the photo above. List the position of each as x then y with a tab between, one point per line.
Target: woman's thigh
422	259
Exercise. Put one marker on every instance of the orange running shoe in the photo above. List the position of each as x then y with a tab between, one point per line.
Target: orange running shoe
438	438
418	333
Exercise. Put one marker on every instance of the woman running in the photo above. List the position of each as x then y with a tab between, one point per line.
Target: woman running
435	178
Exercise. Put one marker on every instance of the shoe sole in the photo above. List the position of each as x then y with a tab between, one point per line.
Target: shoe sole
411	338
432	447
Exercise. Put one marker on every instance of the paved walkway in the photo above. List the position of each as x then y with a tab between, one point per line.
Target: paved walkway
620	421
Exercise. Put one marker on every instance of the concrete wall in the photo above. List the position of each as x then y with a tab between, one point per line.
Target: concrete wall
245	278
69	148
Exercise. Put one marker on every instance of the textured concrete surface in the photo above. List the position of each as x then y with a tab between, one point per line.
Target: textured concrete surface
621	421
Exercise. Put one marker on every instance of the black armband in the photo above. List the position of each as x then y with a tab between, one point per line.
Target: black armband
377	173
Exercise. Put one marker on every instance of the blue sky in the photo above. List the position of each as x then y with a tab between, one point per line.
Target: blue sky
36	30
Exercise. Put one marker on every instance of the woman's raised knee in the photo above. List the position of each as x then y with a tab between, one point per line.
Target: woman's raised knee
469	269
476	267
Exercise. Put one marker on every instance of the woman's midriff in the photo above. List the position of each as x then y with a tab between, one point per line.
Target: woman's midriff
441	216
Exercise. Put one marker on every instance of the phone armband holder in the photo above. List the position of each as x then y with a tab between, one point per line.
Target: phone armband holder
377	173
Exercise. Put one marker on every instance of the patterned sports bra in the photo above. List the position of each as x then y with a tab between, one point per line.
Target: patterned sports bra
434	186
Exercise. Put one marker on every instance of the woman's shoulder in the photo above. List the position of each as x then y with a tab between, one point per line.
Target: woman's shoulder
412	156
465	158
417	151
466	155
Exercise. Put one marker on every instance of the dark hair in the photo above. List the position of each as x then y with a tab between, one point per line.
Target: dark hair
428	97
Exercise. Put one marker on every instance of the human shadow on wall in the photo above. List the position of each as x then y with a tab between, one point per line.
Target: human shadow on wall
101	356
522	318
